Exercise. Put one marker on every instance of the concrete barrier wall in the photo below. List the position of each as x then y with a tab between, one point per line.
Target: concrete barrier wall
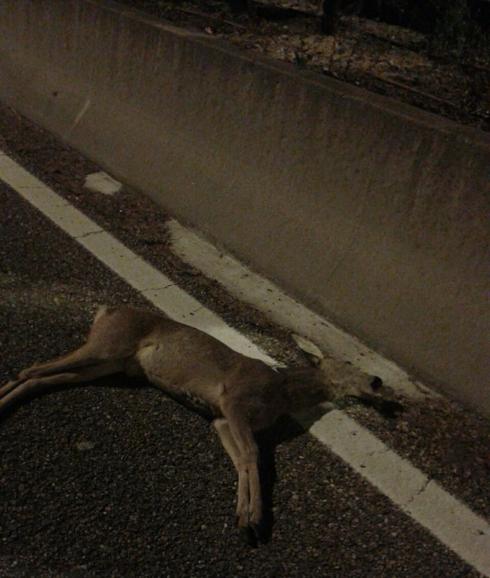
371	212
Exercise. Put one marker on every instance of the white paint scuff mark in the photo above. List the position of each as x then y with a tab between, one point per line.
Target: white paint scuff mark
82	112
101	182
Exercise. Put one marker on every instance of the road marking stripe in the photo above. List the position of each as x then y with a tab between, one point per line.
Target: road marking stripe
423	499
447	518
145	278
253	289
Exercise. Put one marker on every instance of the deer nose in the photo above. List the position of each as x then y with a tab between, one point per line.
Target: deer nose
376	383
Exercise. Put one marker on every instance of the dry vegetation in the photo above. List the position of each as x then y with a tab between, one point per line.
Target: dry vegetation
445	70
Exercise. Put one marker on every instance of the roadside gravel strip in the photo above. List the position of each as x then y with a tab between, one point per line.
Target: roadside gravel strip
455	525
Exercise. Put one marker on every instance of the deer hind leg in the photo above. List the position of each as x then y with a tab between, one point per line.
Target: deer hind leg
16	390
238	440
81	357
75	359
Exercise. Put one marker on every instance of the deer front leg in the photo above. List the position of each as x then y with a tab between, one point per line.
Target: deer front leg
222	427
223	430
238	440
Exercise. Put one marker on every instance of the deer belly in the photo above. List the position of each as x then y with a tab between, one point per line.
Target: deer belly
180	378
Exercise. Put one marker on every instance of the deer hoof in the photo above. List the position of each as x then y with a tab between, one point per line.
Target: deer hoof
249	536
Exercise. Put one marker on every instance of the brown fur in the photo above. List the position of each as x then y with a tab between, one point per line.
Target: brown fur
241	394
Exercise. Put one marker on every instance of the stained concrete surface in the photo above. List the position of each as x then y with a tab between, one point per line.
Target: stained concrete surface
113	479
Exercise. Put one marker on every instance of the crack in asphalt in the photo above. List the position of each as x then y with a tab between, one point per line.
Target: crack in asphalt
418	492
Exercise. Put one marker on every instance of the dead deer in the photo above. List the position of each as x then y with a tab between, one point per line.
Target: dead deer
241	395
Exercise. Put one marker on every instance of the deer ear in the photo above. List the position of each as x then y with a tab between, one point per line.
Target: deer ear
312	351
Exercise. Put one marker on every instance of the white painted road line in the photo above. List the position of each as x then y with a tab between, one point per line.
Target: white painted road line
447	518
424	500
247	286
153	284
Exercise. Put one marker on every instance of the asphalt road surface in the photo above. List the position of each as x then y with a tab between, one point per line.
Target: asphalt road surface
115	479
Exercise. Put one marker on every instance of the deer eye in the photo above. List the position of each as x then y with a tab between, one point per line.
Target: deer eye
376	383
